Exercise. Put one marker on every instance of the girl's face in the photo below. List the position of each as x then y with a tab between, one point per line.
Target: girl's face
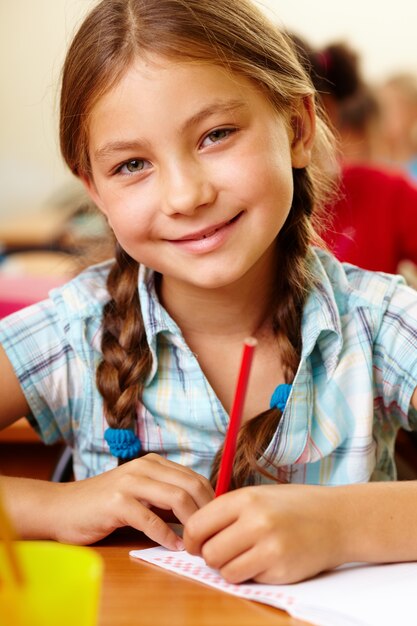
192	167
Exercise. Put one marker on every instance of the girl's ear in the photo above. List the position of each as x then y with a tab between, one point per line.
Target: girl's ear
91	189
303	126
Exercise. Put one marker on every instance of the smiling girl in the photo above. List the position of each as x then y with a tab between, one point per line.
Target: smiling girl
194	130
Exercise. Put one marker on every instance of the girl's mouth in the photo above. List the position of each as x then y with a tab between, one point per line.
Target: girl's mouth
209	239
205	234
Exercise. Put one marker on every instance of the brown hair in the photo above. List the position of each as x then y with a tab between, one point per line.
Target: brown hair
236	35
336	71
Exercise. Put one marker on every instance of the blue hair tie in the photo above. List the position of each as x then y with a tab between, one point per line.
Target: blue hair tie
122	442
280	396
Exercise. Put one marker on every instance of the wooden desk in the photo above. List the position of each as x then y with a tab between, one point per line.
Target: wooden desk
140	594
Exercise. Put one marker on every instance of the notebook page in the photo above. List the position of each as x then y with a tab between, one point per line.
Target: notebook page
353	595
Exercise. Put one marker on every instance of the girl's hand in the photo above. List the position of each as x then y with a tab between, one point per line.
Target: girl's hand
270	533
88	510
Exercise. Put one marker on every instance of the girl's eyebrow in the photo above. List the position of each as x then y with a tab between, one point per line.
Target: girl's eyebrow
113	147
215	107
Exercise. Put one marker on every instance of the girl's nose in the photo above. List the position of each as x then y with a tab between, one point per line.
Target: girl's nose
186	188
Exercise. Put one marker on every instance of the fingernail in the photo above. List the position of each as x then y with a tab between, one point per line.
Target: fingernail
179	544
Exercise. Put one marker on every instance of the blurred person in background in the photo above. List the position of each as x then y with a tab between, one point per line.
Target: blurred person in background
398	103
374	216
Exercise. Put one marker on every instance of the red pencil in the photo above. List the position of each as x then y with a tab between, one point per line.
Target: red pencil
229	450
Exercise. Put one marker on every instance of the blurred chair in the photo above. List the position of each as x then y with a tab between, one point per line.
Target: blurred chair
62	472
406	455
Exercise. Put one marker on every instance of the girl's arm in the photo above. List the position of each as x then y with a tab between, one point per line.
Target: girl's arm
82	512
85	511
286	533
13	403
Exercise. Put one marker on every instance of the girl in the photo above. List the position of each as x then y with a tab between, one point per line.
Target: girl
193	128
398	101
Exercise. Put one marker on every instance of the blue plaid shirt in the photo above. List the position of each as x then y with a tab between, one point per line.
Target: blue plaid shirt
350	394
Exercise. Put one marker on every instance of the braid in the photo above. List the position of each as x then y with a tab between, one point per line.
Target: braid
292	282
126	355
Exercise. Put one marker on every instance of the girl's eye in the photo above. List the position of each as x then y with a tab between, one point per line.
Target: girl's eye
131	167
217	135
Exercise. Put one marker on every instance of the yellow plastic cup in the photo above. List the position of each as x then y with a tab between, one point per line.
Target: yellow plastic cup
61	588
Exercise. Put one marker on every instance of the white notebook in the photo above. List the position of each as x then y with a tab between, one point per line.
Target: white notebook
353	595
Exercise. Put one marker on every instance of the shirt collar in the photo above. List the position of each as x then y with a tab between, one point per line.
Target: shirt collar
321	323
155	317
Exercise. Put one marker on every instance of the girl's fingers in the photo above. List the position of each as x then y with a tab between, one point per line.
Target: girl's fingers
207	522
245	566
226	546
174	474
165	495
140	517
154	458
161	470
269	569
127	494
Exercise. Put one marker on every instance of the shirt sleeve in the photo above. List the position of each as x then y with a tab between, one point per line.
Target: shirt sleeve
47	368
395	356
